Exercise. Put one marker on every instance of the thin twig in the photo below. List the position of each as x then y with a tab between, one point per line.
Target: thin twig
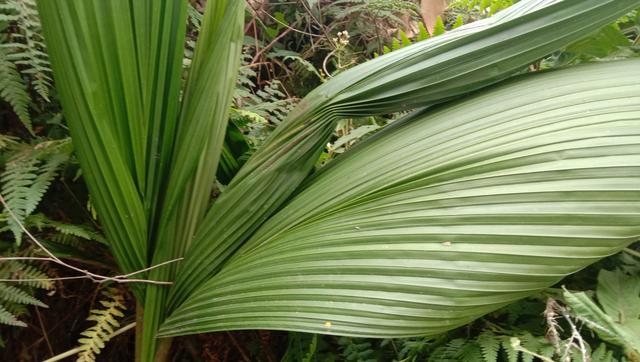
239	347
150	268
44	331
30	258
42	279
318	22
96	278
270	45
631	252
516	345
255	13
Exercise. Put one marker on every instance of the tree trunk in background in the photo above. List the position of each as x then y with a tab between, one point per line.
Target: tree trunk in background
430	9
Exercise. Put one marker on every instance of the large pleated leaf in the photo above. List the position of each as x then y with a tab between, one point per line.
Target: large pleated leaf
149	152
446	216
421	75
199	143
117	67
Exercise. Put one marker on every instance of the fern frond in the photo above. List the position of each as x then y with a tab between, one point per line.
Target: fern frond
538	345
16	309
269	103
512	354
7	141
471	352
106	321
27	44
67	234
387	9
603	354
28	176
8	318
17	179
13	90
450	352
356	349
489	345
16	295
17	271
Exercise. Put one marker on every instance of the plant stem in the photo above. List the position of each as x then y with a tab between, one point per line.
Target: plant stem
164	347
139	329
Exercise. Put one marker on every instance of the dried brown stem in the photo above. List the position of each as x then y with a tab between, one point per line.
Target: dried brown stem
96	278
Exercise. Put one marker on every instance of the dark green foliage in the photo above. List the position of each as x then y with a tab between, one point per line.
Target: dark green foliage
258	108
23	46
391	10
619	40
256	111
15	294
302	347
369	21
616	319
470	10
13	89
64	233
27	175
262	102
357	349
25	74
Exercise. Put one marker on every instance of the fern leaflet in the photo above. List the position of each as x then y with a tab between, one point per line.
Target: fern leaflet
490	346
106	321
16	295
13	90
8	318
28	175
13	297
28	50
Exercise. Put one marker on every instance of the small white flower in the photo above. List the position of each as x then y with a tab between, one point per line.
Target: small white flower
343	37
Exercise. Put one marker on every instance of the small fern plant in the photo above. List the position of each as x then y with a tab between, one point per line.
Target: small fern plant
24	63
27	175
13	89
15	296
491	347
474	9
107	320
26	43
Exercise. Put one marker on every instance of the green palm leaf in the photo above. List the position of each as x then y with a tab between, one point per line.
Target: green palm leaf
199	143
451	214
149	152
421	75
117	68
431	236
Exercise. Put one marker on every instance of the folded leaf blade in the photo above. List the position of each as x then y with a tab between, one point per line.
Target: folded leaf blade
198	142
451	214
421	75
94	93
